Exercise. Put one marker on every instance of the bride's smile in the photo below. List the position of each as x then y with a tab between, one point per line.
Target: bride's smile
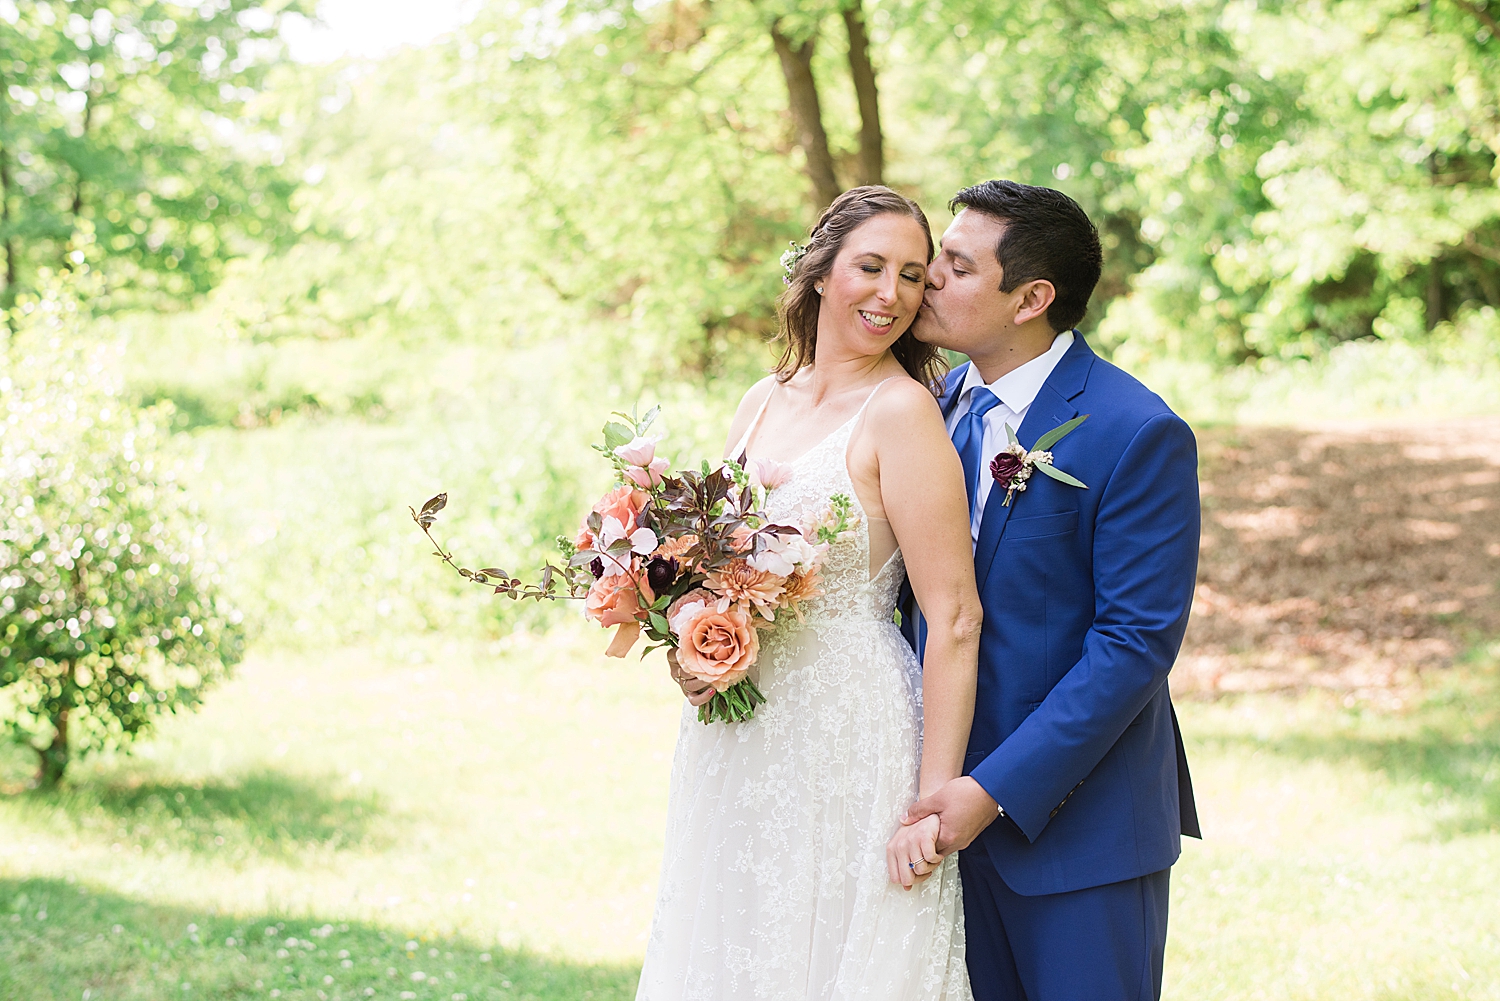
874	288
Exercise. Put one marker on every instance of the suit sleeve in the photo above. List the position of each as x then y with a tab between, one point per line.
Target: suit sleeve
1146	537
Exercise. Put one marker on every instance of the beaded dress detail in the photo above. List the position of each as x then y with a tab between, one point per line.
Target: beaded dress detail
774	881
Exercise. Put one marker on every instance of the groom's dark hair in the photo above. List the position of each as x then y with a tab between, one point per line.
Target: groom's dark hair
1047	237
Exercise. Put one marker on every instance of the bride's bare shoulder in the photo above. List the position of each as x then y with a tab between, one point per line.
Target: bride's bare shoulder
902	400
749	404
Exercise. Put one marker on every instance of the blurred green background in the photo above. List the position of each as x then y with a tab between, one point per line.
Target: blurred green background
286	298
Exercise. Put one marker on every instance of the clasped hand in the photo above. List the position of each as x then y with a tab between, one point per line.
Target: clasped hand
935	827
697	691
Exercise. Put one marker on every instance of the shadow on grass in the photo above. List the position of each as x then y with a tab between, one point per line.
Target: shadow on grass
1448	744
61	940
262	813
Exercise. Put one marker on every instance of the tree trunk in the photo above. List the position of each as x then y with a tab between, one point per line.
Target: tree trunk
7	240
77	206
1434	293
55	755
8	244
871	144
807	113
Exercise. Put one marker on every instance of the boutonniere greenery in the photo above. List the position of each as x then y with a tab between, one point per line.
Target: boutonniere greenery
1011	467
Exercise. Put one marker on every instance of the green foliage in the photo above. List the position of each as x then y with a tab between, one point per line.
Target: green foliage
109	614
128	140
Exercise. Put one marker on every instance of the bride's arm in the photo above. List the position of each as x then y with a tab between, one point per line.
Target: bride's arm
922	491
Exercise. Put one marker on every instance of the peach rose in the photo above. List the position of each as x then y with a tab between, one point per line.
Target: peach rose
697	594
716	646
584	540
614	601
623	503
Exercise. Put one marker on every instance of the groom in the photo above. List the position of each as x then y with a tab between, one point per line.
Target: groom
1076	790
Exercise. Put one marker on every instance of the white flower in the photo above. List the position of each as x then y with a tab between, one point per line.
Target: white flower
638	451
784	555
642	541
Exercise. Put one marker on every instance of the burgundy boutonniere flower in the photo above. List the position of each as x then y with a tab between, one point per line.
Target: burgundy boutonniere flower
1012	466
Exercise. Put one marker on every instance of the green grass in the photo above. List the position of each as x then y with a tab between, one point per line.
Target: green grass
501	807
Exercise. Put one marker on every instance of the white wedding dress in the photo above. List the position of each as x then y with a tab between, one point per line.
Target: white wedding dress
774	882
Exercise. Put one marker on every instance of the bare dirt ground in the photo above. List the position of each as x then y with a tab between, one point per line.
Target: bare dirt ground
1351	559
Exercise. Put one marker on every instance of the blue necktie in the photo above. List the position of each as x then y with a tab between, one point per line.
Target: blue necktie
968	438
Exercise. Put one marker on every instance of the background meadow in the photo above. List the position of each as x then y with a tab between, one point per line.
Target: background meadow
302	295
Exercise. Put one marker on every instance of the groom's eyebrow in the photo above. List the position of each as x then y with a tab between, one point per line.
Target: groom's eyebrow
961	256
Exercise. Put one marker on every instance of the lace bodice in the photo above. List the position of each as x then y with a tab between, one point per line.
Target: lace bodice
848	589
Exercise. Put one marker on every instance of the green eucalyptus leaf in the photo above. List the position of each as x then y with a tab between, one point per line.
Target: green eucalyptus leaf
616	434
1058	433
1058	475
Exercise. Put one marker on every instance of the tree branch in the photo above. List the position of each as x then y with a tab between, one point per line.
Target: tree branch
1484	16
807	113
1478	249
871	144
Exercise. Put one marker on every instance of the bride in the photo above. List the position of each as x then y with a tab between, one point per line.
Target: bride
787	872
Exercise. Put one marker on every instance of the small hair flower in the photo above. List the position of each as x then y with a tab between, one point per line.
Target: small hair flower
790	258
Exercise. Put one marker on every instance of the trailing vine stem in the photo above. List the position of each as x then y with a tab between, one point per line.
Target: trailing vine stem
576	580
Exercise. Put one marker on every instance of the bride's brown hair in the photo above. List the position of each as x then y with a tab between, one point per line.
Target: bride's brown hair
797	308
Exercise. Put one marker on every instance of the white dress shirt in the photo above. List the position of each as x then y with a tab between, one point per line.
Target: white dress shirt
1015	390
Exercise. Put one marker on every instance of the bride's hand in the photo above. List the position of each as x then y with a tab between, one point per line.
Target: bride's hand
697	692
911	855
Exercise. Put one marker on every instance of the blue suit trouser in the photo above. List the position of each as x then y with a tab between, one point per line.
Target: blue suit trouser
1104	943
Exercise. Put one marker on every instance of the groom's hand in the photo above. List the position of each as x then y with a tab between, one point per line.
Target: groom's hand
697	692
963	809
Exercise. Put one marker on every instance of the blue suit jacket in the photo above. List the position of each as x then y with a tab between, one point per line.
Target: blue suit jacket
1086	596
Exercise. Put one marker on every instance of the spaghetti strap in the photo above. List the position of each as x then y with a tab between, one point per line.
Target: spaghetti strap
861	412
738	451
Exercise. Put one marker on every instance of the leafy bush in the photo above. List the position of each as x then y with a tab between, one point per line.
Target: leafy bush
109	612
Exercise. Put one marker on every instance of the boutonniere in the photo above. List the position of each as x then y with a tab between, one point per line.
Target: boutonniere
1011	467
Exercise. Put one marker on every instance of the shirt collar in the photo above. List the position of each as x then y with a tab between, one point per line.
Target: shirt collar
1018	387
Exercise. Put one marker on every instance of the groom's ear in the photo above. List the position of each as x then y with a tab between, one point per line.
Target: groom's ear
1035	298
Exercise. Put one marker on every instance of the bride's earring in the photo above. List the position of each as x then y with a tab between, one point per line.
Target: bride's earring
818	289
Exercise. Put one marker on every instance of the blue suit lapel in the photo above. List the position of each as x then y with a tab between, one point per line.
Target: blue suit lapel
1051	407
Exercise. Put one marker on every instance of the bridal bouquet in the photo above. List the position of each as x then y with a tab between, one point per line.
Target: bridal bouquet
690	560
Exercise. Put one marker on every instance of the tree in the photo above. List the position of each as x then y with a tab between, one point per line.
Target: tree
110	612
794	35
127	141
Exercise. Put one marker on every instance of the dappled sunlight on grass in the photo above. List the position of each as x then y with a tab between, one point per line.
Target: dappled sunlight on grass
263	814
509	799
1351	852
511	793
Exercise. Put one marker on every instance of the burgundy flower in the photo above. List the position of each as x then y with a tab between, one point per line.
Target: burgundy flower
596	567
1005	466
661	574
